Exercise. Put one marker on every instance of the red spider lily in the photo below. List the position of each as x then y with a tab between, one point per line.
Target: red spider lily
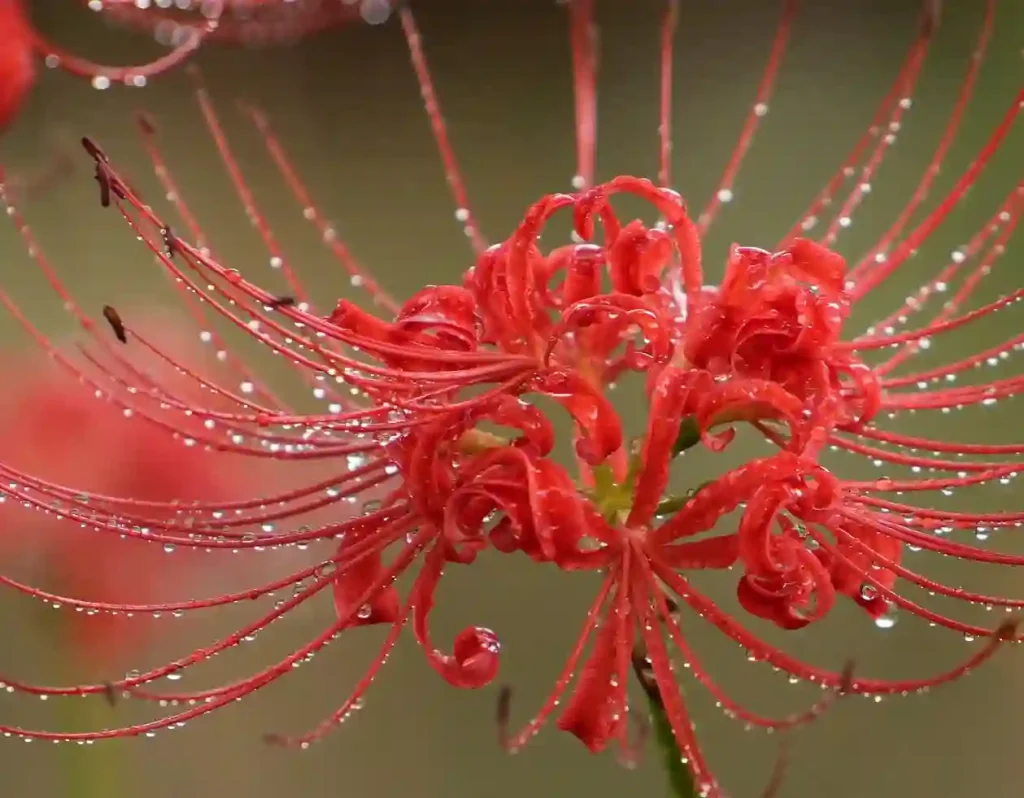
21	43
55	433
248	22
17	68
416	400
183	28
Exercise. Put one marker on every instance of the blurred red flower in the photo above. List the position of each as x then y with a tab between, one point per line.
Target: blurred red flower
17	66
247	22
433	407
55	432
183	28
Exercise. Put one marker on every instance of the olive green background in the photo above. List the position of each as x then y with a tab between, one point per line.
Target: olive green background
347	107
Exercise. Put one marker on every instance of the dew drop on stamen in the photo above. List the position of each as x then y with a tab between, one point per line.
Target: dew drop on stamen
888	619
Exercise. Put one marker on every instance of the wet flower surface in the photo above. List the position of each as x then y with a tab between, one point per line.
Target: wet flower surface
447	409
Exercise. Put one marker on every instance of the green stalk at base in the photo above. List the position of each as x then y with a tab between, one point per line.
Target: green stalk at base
89	771
679	778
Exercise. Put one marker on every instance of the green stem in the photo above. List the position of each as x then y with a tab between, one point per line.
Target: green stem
90	771
689	432
679	779
689	436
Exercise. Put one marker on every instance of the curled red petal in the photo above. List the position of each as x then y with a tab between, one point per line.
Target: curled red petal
353	581
812	259
592	411
475	657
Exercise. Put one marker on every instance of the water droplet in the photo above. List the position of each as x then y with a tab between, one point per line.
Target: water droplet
887	620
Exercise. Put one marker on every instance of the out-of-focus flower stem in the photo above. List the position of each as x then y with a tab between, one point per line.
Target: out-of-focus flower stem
90	771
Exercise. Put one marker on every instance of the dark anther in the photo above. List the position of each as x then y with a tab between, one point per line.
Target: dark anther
672	607
110	693
846	682
641	662
104	183
930	16
771	789
146	124
94	151
170	241
281	302
116	186
114	320
645	674
103	176
504	714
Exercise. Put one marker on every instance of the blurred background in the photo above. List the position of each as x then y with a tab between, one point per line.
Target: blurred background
346	105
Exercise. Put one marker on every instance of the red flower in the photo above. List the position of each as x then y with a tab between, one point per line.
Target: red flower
17	69
778	317
21	43
433	407
251	22
233	21
55	433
